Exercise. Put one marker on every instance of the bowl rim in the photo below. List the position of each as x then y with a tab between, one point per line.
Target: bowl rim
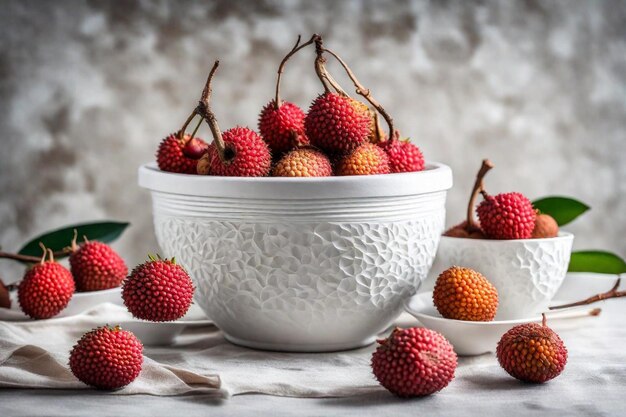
434	178
563	235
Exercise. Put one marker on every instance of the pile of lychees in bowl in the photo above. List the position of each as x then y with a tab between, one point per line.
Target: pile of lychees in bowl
339	135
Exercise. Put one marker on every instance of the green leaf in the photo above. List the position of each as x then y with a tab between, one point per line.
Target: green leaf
596	261
61	238
563	209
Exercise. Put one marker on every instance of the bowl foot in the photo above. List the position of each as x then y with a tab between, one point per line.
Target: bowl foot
303	348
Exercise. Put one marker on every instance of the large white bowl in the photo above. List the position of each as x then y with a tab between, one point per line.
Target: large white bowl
309	264
527	272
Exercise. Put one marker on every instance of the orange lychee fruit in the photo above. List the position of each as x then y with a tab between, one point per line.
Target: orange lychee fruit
545	226
304	162
367	159
464	294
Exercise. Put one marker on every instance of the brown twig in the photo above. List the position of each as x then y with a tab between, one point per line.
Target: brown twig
366	93
281	67
612	293
18	257
478	187
321	71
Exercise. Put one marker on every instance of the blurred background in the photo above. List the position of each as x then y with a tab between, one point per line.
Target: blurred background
89	88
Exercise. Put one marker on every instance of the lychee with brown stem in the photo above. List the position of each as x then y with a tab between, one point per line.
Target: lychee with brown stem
281	123
414	362
107	358
532	352
464	294
46	288
96	266
367	159
303	162
506	216
545	226
238	151
180	154
158	290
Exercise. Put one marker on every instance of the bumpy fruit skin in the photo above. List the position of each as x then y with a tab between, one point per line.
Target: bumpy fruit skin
464	294
305	162
171	158
247	155
158	290
107	358
367	159
532	353
337	124
545	226
414	362
45	290
404	156
282	128
507	216
96	266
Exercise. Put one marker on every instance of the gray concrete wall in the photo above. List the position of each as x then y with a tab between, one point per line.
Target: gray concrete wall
88	89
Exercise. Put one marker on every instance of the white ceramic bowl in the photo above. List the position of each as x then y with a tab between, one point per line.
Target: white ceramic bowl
301	264
527	273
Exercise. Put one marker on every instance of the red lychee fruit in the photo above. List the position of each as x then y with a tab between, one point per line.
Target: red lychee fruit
283	127
532	352
414	362
545	226
367	159
158	290
403	155
506	216
304	162
46	289
107	358
246	155
464	294
180	156
96	266
337	124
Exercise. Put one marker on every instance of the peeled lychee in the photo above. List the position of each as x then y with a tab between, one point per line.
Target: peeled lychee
464	294
367	159
107	358
414	362
506	216
545	226
532	352
337	124
283	127
246	155
180	156
304	162
96	266
158	290
45	290
403	155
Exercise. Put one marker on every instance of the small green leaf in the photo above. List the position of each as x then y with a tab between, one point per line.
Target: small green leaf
563	209
596	261
61	238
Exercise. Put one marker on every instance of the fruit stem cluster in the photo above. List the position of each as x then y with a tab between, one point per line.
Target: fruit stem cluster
321	71
281	67
478	188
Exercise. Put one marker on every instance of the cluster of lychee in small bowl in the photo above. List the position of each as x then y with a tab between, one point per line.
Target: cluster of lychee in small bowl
339	135
107	357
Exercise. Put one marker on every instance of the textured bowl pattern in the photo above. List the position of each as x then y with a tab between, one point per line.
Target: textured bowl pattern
288	271
527	273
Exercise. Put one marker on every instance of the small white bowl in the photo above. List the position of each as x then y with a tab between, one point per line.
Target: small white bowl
527	272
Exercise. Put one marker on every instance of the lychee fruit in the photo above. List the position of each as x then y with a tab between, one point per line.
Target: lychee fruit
245	155
282	127
414	362
46	289
304	162
545	226
532	352
506	216
464	294
180	156
96	266
461	230
337	124
158	290
367	159
107	358
404	156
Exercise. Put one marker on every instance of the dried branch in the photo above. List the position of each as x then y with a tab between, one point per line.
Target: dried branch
612	293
